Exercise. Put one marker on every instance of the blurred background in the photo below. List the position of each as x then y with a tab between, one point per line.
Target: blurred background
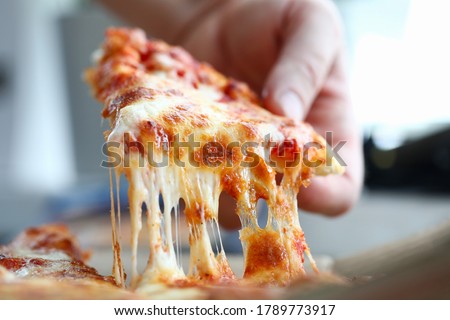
398	59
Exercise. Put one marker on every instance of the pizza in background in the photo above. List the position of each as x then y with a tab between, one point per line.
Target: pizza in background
46	262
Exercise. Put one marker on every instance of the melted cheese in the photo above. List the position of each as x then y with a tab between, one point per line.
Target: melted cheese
200	188
6	276
174	183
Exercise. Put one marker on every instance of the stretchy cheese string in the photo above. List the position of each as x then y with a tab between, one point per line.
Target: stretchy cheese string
119	214
177	217
117	263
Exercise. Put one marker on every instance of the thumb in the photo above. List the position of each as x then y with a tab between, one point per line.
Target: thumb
310	40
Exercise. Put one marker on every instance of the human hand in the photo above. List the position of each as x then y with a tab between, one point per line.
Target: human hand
291	52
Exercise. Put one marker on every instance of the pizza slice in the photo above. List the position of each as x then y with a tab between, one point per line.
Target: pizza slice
180	130
46	262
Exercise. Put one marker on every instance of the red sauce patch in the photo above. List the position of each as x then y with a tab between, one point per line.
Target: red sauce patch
181	73
12	264
49	238
286	154
238	90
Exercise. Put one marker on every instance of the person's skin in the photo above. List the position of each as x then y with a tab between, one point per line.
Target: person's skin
288	51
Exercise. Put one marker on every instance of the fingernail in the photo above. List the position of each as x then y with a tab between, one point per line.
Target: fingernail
291	105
